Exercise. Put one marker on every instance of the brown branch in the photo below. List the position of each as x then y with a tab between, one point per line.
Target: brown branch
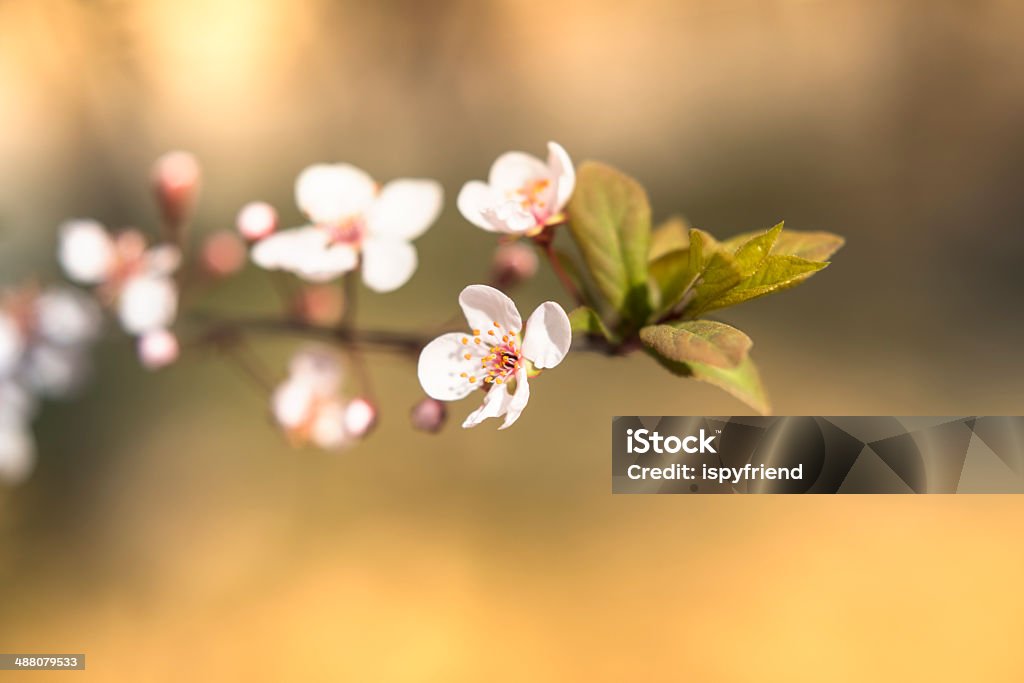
224	330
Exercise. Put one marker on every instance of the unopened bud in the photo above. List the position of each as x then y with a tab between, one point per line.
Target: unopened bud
256	220
360	417
512	264
321	305
429	415
176	184
223	254
158	349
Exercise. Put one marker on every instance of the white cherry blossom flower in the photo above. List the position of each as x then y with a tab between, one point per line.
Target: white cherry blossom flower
17	447
136	280
310	407
51	331
353	222
522	195
498	355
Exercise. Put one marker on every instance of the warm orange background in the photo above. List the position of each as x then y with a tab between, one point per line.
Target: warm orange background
170	533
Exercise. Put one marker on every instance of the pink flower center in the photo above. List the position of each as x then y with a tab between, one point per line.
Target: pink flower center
501	361
351	231
532	197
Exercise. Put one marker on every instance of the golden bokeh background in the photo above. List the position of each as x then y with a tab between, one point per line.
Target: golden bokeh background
170	532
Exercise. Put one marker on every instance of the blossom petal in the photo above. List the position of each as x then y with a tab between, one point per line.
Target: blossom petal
519	399
548	335
512	170
510	217
495	404
324	265
442	363
16	404
388	263
147	304
292	403
55	371
563	172
12	344
66	317
163	259
405	208
328	429
307	253
318	368
329	193
475	198
86	251
17	452
279	248
484	306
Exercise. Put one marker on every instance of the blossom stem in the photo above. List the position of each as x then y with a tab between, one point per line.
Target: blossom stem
546	242
348	316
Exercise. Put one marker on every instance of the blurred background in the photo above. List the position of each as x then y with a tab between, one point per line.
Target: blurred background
170	531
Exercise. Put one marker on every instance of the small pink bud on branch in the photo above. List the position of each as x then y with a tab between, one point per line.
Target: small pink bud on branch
256	220
223	254
429	415
513	264
175	179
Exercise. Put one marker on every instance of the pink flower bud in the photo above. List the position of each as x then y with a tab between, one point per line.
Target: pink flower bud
158	349
256	220
512	264
319	305
360	417
223	254
176	183
429	415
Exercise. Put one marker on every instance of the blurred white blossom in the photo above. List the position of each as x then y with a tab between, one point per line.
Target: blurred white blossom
17	447
131	277
310	407
45	337
354	222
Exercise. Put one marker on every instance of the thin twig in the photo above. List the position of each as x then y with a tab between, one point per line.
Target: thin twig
372	340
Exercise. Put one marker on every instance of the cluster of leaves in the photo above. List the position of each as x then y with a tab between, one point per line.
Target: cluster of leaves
652	286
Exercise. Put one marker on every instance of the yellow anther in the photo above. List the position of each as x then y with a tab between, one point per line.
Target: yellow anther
505	338
472	379
498	381
491	332
465	340
462	374
477	340
467	356
476	333
496	324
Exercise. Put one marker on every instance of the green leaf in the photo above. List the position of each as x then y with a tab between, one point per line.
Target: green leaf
586	320
671	276
610	220
775	274
810	245
671	235
742	381
751	254
719	276
703	341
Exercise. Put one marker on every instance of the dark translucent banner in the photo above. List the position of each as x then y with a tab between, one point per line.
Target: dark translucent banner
818	455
